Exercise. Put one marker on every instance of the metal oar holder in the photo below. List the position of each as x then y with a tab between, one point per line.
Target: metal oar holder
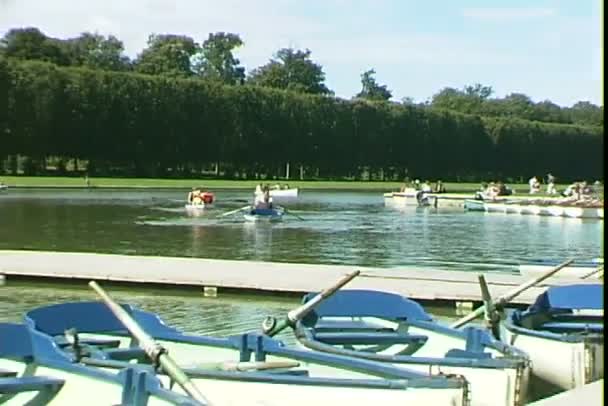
271	326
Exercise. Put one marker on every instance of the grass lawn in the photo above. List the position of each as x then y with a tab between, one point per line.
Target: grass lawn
215	184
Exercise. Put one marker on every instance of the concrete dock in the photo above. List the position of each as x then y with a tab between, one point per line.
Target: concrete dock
263	277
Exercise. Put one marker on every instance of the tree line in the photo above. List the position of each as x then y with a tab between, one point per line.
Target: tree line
131	124
213	59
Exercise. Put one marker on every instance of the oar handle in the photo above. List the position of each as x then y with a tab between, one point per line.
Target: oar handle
271	327
504	299
298	313
155	351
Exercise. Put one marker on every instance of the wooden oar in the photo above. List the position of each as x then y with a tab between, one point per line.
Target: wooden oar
271	326
293	214
154	350
234	211
247	365
507	297
599	269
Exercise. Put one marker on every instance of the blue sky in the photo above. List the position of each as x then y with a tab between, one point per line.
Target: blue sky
547	49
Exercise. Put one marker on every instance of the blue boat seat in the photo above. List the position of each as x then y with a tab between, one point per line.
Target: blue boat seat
46	387
570	327
376	338
474	345
61	341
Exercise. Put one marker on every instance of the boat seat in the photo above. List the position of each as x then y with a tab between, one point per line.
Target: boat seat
376	338
31	383
61	341
349	325
571	327
5	373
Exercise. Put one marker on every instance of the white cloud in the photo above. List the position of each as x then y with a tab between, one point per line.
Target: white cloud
507	13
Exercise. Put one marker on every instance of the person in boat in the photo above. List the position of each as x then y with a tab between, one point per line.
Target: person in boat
439	188
503	190
263	201
534	185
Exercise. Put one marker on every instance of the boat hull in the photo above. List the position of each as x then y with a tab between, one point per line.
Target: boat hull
514	207
272	217
558	365
488	385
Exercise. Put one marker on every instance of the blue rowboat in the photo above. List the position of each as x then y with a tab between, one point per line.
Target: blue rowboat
268	215
250	369
35	371
563	333
388	328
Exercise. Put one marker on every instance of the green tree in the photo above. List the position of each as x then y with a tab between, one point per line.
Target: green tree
168	55
31	43
97	52
216	60
291	70
371	90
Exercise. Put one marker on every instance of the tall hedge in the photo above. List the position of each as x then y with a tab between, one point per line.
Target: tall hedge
130	124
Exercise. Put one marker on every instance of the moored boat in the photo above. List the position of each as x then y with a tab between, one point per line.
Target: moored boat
37	372
563	334
394	330
280	195
537	207
247	369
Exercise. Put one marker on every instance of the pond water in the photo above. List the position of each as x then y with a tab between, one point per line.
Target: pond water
348	228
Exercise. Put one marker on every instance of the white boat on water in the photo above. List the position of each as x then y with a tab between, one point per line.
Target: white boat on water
388	328
3	187
246	369
410	197
538	208
279	195
563	334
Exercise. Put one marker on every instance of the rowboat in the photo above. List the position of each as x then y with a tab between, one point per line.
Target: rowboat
391	329
537	207
3	187
35	371
563	333
267	215
196	207
246	369
578	269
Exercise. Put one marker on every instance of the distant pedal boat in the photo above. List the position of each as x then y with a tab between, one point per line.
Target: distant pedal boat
563	333
394	330
239	370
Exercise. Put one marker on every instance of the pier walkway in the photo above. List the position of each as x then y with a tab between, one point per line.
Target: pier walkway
267	277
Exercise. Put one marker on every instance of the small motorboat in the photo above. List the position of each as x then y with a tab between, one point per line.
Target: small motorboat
34	370
394	330
563	334
267	215
245	369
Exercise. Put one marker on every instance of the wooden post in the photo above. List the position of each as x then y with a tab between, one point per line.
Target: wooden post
287	171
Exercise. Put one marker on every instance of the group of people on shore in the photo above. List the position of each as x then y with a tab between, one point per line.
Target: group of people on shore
493	190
